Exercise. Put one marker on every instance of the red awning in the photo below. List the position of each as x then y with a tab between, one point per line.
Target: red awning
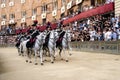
92	12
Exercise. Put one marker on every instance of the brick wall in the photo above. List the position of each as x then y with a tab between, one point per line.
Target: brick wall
28	6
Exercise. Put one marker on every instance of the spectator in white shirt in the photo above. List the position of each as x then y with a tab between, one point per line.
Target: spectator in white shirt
92	33
108	35
114	35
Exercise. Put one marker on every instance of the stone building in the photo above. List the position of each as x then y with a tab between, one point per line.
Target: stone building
23	12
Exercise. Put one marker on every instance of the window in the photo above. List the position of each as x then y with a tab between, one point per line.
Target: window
44	8
12	16
98	2
63	2
3	1
55	4
92	2
11	0
4	17
22	1
23	14
34	11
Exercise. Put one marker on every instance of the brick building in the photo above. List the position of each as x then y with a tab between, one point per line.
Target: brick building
23	12
117	7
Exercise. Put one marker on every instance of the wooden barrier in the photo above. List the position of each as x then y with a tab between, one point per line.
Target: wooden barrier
112	47
94	46
7	41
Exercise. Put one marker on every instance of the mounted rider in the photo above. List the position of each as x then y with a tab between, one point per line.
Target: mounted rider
48	30
33	32
18	39
61	31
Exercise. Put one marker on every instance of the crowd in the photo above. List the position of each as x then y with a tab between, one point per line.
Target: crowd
98	28
7	30
85	8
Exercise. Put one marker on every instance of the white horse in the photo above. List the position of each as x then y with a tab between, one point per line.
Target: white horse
18	45
38	47
52	44
65	45
23	47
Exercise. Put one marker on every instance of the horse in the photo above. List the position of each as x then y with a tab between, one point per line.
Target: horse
27	45
51	46
38	47
65	44
19	40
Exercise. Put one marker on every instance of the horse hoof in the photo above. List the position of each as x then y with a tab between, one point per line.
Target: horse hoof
52	62
70	54
66	60
36	63
61	58
26	60
41	63
45	60
30	62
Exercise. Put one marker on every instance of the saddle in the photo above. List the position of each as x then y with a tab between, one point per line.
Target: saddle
31	43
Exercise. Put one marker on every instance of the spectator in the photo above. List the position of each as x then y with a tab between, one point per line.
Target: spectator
108	35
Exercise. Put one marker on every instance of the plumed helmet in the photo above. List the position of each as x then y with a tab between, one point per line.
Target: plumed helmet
35	23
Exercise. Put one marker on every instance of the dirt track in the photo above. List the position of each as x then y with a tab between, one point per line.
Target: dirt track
81	66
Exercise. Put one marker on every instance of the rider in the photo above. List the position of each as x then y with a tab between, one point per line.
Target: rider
48	29
33	33
61	34
18	39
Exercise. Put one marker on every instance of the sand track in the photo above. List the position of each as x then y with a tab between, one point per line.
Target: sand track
81	66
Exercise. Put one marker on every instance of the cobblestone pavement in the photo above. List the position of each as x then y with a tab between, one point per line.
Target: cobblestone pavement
81	66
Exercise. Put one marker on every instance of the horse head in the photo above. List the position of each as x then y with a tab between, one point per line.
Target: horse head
41	37
67	35
54	35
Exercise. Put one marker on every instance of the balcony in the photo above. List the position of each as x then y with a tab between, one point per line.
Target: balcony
92	12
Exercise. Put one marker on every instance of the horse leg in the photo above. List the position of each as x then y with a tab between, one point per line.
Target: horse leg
27	54
41	56
19	51
30	54
66	58
51	55
22	51
60	51
69	48
35	57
